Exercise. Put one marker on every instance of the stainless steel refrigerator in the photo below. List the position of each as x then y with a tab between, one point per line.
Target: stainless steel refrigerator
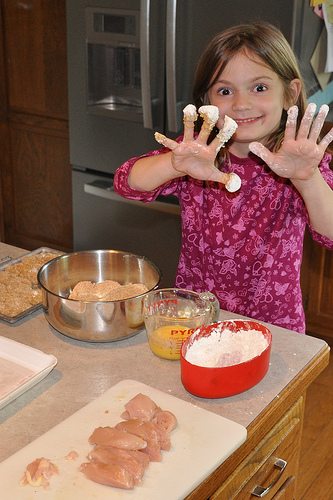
131	66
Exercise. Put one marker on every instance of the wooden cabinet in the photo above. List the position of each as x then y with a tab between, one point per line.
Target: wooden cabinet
317	288
275	434
317	283
34	139
274	461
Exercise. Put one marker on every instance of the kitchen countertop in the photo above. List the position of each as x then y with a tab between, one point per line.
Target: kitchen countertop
85	370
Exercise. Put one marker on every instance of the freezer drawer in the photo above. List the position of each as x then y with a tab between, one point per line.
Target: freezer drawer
103	220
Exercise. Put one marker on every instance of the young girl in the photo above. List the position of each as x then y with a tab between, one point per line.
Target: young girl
246	247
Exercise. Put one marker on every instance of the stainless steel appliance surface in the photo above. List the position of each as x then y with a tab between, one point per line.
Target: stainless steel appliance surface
103	220
131	67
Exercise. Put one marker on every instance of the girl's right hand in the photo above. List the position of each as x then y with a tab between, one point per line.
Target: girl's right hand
193	156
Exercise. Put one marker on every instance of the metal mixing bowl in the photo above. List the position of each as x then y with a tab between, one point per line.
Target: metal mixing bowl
95	321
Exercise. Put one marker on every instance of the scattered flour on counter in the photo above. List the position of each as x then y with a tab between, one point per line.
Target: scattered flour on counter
225	348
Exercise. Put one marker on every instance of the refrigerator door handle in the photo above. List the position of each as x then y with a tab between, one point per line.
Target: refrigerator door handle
145	64
104	189
171	88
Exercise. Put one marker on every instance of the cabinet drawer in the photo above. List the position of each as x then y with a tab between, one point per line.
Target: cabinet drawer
287	490
262	468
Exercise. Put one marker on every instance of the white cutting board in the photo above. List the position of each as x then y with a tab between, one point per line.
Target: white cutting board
200	443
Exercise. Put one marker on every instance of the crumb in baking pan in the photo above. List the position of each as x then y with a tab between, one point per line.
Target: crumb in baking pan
19	289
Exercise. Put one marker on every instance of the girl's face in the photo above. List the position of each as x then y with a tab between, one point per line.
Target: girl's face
253	95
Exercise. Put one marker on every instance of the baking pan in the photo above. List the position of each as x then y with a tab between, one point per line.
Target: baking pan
7	262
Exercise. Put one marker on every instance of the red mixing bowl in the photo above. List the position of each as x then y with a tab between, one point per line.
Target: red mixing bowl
220	382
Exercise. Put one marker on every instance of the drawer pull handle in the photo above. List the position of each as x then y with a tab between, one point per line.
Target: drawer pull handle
260	491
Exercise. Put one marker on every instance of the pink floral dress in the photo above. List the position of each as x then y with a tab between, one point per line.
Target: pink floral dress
245	247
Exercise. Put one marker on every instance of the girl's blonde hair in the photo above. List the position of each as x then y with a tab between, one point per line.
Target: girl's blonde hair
259	39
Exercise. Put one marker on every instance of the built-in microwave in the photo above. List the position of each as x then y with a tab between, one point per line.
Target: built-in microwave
115	58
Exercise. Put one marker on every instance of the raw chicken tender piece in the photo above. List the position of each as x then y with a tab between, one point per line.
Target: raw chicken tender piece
163	439
141	406
165	422
153	450
147	431
122	453
108	474
164	419
150	433
72	455
125	415
110	436
138	427
140	456
108	455
38	473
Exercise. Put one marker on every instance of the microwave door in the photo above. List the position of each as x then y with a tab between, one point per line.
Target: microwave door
103	134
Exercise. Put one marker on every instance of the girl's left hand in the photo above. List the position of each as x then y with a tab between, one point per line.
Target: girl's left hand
299	155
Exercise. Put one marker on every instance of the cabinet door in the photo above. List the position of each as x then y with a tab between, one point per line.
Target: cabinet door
259	469
35	53
35	184
317	287
317	280
37	194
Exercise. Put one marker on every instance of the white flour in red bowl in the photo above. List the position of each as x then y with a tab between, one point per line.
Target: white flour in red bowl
224	347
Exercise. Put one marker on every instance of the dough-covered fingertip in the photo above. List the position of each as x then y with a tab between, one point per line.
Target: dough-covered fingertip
293	111
312	107
210	115
190	112
234	183
255	147
227	131
160	138
324	109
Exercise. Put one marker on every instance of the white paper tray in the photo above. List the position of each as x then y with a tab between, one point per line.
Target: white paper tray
200	443
21	367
